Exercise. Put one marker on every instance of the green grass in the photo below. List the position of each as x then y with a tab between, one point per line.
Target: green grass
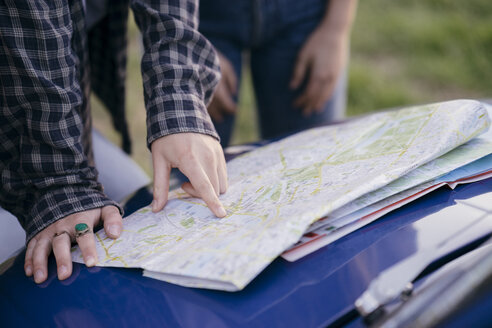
412	52
403	53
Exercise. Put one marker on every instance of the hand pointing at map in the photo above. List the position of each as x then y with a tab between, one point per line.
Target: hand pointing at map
200	158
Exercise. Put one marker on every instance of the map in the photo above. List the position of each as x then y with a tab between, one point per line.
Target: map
277	191
327	230
424	176
471	159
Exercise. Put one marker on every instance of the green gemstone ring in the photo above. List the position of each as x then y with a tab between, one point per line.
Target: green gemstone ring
81	229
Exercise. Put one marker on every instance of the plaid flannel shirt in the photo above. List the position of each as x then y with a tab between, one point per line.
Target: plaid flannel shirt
46	162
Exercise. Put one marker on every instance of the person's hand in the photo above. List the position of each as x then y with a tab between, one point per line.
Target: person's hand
58	238
223	98
200	158
321	60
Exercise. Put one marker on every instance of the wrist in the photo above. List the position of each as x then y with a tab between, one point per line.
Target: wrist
339	16
339	29
330	37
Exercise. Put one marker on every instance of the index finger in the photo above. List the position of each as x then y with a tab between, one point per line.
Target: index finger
202	185
311	94
300	70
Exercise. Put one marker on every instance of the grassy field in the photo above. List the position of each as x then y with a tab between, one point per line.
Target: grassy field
403	52
410	52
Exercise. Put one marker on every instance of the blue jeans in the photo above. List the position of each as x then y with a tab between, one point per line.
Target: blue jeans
273	32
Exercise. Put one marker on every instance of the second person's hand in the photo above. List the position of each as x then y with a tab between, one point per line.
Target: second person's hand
223	99
321	60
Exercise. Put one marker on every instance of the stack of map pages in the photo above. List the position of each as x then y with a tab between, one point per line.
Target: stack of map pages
346	175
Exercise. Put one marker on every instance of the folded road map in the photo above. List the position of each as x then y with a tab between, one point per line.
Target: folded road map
277	191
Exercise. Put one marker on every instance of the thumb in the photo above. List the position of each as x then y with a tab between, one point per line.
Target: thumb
113	223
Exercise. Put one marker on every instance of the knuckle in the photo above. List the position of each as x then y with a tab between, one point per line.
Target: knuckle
62	259
38	262
60	224
187	156
203	188
43	241
211	202
32	242
157	188
209	158
113	217
111	211
56	243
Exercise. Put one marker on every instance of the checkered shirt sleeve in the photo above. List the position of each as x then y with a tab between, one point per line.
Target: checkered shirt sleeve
180	68
45	148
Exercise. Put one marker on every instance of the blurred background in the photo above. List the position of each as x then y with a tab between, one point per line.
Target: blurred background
403	52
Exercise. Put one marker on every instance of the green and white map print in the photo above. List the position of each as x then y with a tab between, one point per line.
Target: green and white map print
277	191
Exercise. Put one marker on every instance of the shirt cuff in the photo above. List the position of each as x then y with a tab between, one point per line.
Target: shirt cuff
60	203
178	113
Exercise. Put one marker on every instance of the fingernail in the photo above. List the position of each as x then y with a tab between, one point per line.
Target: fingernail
222	212
62	271
114	230
90	261
38	275
28	270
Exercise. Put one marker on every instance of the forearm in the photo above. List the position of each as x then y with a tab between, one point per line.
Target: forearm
180	68
339	16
